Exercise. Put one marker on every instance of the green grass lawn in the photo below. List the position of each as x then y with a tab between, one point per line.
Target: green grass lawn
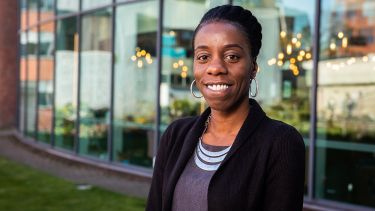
26	189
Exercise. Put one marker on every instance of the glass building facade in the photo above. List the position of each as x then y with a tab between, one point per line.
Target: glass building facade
102	79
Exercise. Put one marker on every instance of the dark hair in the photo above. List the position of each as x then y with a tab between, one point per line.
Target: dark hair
240	17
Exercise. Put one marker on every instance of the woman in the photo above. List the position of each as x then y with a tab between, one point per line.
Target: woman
232	156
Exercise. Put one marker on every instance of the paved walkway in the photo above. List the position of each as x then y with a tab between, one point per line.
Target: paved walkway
17	150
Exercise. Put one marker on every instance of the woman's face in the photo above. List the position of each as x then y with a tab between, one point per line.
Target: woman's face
223	65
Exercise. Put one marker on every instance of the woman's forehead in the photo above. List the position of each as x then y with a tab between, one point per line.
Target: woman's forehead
220	33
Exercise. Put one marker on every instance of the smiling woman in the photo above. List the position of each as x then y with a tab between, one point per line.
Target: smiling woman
222	67
232	156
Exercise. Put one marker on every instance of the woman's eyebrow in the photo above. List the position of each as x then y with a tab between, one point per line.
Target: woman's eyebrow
201	47
225	46
233	46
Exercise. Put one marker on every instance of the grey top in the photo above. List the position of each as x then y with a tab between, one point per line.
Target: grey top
192	187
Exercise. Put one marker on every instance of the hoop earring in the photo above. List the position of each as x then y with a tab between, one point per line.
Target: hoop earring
256	88
191	90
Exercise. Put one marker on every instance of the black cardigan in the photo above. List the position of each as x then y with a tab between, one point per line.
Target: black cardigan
264	169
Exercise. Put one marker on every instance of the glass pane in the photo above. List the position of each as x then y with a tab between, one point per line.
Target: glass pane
33	12
66	82
95	83
32	68
46	9
135	83
180	19
285	61
88	4
45	87
23	81
346	103
23	11
67	6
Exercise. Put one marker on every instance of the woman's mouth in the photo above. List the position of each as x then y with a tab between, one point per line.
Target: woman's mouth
218	87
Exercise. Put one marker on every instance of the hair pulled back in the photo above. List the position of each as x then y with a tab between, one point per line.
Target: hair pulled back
240	17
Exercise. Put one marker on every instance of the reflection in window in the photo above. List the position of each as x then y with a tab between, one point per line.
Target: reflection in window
32	12
23	14
95	83
67	6
45	86
346	103
177	54
285	61
135	83
46	9
66	82
31	92
88	4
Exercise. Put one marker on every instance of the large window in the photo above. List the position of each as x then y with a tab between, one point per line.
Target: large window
345	169
285	61
135	83
66	55
95	77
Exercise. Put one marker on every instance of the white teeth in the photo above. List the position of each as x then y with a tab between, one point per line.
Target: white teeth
219	87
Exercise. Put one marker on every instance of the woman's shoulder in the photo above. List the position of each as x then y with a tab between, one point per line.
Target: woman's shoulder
280	131
175	132
179	127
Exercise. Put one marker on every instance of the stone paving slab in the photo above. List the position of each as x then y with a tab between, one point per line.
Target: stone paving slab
17	150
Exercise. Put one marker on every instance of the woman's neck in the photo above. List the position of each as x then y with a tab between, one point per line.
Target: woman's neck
224	126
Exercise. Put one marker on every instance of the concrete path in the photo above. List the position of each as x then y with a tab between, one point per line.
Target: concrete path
12	148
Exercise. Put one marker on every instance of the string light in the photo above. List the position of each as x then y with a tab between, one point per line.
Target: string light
271	61
332	46
344	43
172	33
140	64
141	57
283	34
183	74
292	53
340	35
184	69
289	49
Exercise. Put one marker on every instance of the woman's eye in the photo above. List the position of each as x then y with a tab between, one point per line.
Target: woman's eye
202	58
232	58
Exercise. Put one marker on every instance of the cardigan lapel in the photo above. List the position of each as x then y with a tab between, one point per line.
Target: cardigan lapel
189	144
253	119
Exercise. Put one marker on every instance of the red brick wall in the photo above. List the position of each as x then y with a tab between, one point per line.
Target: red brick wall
8	63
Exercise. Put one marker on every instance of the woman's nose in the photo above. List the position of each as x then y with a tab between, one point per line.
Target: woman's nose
216	67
